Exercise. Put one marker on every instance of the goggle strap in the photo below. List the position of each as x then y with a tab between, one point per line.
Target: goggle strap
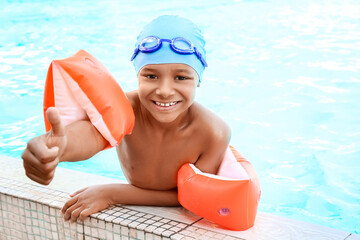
136	51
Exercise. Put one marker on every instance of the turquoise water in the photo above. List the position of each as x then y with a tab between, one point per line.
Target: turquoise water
283	74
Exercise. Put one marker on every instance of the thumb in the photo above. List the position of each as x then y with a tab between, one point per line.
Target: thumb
53	117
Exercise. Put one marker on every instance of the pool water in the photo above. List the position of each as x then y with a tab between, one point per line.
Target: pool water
283	74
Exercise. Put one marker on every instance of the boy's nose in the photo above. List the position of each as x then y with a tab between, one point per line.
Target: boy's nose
165	89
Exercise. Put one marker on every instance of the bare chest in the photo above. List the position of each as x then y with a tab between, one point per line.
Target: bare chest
150	161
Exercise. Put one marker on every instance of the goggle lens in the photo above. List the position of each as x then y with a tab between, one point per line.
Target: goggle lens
183	45
149	43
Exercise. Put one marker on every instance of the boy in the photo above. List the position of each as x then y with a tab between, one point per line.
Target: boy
170	128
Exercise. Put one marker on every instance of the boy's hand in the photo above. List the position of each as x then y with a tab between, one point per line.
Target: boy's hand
42	153
87	201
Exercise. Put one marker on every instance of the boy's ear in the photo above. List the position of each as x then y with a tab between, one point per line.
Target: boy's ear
198	85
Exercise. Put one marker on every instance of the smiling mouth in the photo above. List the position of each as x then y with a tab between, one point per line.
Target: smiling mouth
166	105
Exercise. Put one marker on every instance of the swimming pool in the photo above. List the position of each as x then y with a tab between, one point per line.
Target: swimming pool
283	74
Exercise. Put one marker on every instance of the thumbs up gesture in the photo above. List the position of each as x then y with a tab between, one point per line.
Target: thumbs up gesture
43	153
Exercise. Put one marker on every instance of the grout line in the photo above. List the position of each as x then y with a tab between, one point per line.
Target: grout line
195	222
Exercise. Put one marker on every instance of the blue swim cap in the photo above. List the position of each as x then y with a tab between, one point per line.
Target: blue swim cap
169	27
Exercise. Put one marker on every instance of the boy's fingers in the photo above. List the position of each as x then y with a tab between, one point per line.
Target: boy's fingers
70	210
39	167
37	147
68	204
38	179
84	214
45	154
77	192
53	117
53	151
75	214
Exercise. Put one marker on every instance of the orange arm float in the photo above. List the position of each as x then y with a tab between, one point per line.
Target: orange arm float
229	199
80	87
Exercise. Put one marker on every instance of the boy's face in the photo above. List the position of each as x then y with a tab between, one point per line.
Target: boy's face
167	90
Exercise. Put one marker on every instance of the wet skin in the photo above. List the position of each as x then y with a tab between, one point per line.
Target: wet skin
170	130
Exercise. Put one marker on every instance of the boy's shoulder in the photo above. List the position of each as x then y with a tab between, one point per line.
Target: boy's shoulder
133	98
212	135
209	122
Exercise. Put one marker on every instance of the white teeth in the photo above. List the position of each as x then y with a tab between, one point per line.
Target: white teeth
165	104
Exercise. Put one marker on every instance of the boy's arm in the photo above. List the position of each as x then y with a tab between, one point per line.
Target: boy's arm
215	147
96	198
83	141
75	142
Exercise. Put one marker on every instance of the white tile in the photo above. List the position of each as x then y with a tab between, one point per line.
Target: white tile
149	236
102	233
140	235
39	207
159	230
116	228
117	220
157	224
125	222
79	228
55	235
117	236
166	226
150	228
36	230
175	229
133	224
103	216
117	208
167	233
118	213
124	231
132	232
124	210
53	219
110	211
94	215
109	218
157	237
94	232
140	214
149	221
109	235
87	230
142	226
53	227
48	234
100	224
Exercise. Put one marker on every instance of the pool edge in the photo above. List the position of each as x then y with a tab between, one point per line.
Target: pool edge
267	226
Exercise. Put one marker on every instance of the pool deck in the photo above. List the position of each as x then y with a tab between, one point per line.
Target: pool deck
149	222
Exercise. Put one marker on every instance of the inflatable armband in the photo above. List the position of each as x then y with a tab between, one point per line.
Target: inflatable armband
229	198
80	87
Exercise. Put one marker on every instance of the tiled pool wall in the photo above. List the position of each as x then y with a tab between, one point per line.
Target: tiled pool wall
32	211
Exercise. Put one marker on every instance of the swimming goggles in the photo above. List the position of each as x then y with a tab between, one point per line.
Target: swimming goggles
179	45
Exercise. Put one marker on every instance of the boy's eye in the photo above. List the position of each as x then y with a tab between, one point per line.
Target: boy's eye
151	76
181	78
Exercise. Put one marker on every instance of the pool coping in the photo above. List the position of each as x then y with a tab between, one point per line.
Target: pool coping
184	224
